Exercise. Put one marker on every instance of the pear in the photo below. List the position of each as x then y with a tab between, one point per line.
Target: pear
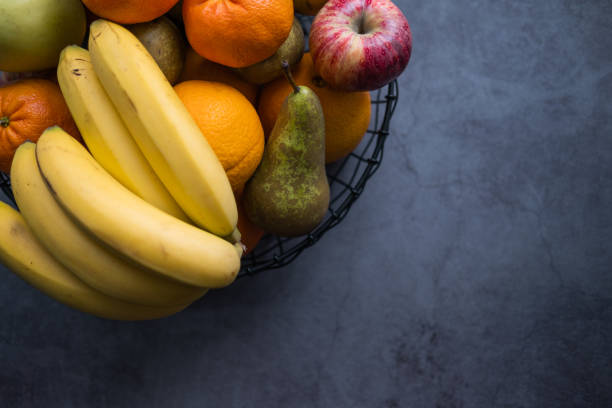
291	51
288	194
165	43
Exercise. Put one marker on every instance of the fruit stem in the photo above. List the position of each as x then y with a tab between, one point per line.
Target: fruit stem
235	236
287	72
4	121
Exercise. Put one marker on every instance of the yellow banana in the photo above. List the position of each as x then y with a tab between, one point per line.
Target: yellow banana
104	132
162	127
129	224
93	262
21	252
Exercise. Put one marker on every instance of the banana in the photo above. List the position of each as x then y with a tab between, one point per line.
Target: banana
94	263
162	127
129	224
21	252
105	134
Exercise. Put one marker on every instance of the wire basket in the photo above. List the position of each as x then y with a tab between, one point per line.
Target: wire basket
347	180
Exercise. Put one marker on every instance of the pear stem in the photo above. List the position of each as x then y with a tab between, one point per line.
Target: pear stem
4	121
287	73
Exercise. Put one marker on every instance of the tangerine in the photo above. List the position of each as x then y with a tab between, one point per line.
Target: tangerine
129	11
237	33
27	108
250	233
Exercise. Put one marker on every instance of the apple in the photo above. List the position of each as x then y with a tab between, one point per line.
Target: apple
34	32
360	45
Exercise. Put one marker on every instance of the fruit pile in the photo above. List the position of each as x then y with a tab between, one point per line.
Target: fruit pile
151	144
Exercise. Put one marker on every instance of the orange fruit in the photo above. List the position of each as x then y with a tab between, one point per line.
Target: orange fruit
230	124
237	33
27	108
347	114
129	11
197	67
250	234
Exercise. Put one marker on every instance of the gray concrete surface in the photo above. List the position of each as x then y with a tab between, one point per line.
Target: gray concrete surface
474	271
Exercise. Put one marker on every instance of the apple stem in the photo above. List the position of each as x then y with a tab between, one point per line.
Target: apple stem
287	72
4	121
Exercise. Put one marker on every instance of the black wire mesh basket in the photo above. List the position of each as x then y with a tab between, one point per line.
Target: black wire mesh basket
347	180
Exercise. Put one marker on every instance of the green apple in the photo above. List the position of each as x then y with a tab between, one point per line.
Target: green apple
34	32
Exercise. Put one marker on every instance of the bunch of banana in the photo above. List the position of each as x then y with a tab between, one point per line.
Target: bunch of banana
104	132
93	263
87	241
162	127
21	251
142	224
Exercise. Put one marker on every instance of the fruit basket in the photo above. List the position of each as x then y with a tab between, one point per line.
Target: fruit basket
347	180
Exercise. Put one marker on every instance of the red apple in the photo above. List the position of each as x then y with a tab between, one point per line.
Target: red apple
360	45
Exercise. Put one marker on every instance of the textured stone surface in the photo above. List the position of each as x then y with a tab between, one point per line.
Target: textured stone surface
474	271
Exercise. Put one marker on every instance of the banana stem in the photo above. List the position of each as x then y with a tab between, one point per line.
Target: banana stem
240	248
287	72
234	237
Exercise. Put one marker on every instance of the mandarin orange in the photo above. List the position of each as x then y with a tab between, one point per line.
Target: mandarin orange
250	233
129	11
27	108
237	33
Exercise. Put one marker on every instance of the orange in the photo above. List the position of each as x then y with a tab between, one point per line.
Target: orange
27	108
250	234
230	124
129	11
197	67
237	33
347	114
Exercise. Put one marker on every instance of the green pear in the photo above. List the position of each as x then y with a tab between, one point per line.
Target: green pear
291	51
288	194
165	43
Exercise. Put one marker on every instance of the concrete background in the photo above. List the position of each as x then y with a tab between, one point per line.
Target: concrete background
474	271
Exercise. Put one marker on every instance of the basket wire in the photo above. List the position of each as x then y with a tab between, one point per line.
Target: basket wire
347	180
